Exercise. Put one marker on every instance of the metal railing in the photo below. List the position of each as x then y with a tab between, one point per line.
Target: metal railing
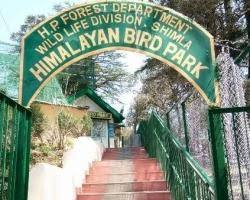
15	122
188	121
185	177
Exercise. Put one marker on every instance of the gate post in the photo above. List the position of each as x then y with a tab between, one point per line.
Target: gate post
218	153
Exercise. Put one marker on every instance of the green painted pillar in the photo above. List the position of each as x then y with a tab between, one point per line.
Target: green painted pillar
218	153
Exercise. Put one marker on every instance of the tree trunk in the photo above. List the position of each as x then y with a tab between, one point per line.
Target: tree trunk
228	18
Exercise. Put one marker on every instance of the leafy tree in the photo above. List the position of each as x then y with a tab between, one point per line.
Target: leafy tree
224	19
62	6
139	110
162	87
104	72
157	76
66	125
38	122
83	126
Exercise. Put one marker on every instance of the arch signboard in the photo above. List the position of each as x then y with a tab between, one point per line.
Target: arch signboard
96	27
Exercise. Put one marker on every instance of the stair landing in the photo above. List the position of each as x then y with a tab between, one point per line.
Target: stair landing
125	174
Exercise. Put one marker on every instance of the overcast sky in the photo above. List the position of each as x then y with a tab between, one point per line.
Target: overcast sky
13	13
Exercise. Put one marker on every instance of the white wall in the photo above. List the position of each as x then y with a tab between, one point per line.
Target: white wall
48	182
86	101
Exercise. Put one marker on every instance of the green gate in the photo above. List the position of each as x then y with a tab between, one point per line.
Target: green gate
15	122
229	128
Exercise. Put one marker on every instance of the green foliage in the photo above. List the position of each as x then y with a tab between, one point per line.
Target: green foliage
112	79
104	72
38	122
221	18
86	124
46	149
162	88
69	125
139	110
62	134
46	153
77	76
66	124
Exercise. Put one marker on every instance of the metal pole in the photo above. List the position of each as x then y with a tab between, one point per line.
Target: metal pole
218	153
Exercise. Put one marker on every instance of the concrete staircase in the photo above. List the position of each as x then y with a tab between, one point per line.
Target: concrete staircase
125	174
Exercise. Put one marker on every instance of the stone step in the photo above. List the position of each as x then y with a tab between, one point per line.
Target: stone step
130	162
126	149
125	153
125	187
129	177
110	172
125	156
124	169
133	152
122	157
146	195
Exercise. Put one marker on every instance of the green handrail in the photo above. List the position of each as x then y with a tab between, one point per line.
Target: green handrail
185	177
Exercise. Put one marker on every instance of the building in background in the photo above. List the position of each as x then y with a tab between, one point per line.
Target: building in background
105	118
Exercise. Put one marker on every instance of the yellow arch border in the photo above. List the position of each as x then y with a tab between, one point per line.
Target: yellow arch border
61	68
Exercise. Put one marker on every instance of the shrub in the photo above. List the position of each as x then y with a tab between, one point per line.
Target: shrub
72	126
83	126
66	125
38	121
